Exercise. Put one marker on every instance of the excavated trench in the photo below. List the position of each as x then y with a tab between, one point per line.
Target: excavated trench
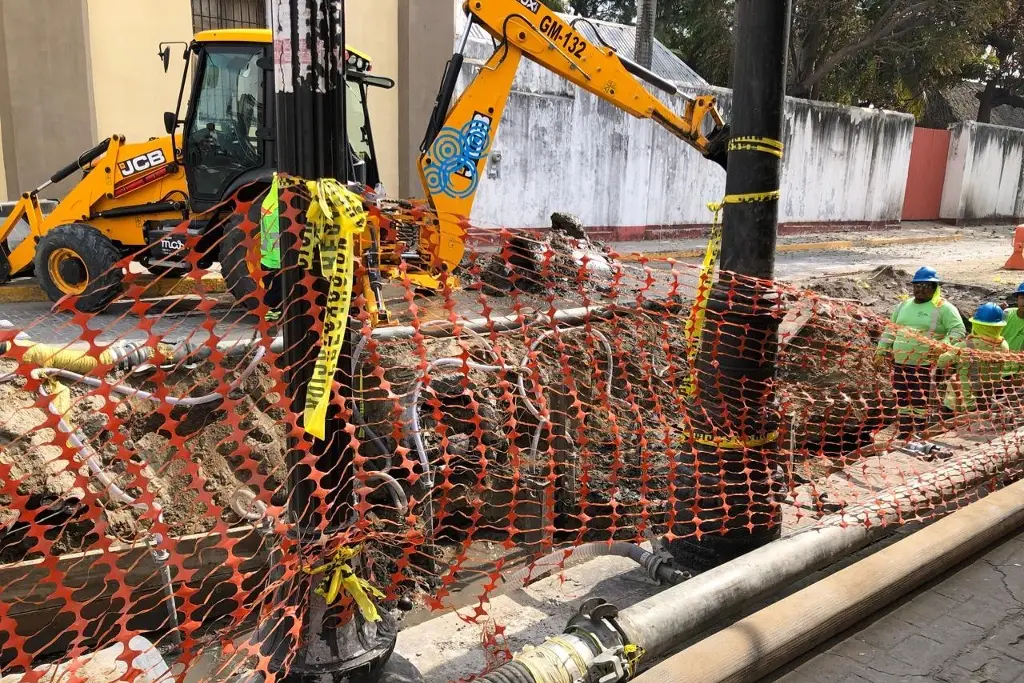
597	469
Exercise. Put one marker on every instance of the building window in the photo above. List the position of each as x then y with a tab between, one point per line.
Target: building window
218	14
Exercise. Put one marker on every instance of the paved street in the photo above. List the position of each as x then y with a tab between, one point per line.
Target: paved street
966	627
975	259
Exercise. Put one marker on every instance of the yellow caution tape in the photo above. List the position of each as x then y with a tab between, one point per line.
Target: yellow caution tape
633	653
756	144
695	323
60	395
735	444
750	197
336	217
344	580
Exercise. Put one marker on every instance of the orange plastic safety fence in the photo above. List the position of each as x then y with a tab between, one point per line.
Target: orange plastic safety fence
542	396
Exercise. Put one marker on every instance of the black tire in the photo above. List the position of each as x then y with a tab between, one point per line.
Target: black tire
90	264
234	266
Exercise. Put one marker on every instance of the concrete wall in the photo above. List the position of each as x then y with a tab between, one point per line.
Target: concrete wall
564	150
372	27
129	85
46	97
984	173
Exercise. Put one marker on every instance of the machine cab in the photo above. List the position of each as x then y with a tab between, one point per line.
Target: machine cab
229	127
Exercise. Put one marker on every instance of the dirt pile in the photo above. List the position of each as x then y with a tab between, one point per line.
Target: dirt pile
563	261
140	444
885	287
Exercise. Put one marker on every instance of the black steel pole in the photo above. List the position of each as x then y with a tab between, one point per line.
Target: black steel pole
734	415
312	143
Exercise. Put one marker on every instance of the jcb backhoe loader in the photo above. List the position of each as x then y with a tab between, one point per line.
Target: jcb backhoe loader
133	195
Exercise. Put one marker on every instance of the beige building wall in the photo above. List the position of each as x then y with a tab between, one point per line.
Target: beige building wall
371	26
426	39
129	85
4	195
46	100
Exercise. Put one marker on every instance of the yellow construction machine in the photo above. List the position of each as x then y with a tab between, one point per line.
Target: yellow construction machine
455	150
132	195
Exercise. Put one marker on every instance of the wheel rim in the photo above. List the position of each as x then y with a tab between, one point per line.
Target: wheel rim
68	271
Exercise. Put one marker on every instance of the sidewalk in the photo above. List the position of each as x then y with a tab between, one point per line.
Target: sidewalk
967	627
924	232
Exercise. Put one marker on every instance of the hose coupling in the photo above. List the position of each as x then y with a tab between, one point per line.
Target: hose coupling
593	649
660	568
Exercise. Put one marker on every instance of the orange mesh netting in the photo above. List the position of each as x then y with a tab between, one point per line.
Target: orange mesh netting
548	394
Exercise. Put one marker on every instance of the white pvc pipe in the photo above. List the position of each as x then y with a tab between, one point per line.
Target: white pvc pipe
681	612
755	646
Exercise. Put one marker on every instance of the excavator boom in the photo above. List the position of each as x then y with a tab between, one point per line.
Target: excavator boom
458	141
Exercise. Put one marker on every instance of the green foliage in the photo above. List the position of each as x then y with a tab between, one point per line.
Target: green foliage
556	5
999	66
885	53
700	33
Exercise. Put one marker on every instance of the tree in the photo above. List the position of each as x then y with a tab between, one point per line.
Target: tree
885	53
700	33
556	5
867	50
621	11
1000	65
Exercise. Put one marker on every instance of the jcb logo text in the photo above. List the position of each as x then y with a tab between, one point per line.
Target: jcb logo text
141	163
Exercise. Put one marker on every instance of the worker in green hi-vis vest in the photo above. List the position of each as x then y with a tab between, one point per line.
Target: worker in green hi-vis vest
919	323
1014	332
270	250
978	380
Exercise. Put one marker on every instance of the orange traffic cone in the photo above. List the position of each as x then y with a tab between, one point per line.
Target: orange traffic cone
1016	261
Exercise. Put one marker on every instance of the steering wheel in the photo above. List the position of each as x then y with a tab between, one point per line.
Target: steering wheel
243	121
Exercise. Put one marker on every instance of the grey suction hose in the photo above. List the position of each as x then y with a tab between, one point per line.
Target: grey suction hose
656	566
398	496
521	382
160	555
412	411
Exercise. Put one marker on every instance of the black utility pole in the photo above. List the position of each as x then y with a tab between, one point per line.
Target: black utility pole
309	108
734	417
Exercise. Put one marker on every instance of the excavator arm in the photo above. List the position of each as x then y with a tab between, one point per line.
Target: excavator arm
458	140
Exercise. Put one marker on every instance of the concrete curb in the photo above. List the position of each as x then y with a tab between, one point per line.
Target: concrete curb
834	245
27	291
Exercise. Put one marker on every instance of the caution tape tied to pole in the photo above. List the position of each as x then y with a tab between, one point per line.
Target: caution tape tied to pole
336	218
698	314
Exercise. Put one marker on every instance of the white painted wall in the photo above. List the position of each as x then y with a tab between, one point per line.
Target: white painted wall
565	150
983	173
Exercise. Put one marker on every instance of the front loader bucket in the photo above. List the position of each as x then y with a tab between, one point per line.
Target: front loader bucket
14	260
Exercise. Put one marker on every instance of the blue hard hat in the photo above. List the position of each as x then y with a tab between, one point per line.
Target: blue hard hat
1020	288
989	314
926	275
